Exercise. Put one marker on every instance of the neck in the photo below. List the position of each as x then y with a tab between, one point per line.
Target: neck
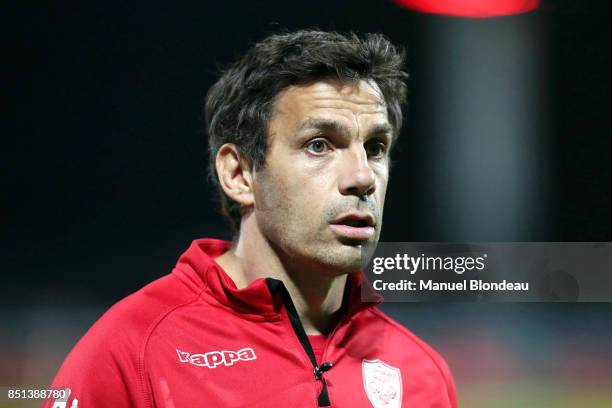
317	296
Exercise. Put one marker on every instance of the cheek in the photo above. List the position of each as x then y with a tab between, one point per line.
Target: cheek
293	194
383	186
280	199
382	190
303	200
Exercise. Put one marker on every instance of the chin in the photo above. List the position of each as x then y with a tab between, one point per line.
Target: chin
343	260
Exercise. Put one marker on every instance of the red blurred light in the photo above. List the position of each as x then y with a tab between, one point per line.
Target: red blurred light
471	8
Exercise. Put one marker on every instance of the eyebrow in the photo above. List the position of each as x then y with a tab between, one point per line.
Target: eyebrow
329	125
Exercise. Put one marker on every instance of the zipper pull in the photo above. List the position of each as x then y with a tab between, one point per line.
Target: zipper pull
319	370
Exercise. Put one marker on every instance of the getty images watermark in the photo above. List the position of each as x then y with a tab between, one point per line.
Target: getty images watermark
504	272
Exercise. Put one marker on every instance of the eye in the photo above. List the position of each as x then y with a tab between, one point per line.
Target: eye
318	146
375	148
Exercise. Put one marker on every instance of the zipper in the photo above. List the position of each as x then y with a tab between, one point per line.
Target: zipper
346	318
331	335
276	286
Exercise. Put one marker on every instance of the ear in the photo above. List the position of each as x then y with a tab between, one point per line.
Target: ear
235	175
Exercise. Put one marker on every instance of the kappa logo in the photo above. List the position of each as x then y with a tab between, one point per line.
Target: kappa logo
212	359
382	383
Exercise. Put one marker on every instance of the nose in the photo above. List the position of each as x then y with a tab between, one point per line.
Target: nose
356	176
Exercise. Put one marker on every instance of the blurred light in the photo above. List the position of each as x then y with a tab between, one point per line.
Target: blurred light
471	8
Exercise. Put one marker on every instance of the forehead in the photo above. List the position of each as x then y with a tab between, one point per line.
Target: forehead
357	102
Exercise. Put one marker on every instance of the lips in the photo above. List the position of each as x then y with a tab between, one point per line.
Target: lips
358	226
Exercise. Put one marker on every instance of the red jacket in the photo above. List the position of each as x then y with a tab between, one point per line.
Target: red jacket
192	339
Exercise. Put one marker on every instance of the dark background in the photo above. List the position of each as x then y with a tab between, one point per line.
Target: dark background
103	159
103	168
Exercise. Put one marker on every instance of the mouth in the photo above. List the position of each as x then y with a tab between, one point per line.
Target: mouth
355	226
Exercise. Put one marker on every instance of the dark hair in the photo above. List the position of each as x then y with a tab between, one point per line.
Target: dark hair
240	104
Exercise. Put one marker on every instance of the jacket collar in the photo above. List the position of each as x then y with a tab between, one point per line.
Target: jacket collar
256	302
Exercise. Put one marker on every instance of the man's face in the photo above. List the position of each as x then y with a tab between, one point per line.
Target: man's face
320	194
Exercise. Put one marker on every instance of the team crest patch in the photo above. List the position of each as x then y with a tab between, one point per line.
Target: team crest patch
382	383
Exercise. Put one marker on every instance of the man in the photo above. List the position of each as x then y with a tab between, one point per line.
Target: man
300	133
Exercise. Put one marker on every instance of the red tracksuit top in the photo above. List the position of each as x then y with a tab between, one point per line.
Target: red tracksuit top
192	339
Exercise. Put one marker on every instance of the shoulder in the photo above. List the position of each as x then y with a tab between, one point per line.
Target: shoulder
129	322
397	332
137	313
406	346
134	316
108	359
